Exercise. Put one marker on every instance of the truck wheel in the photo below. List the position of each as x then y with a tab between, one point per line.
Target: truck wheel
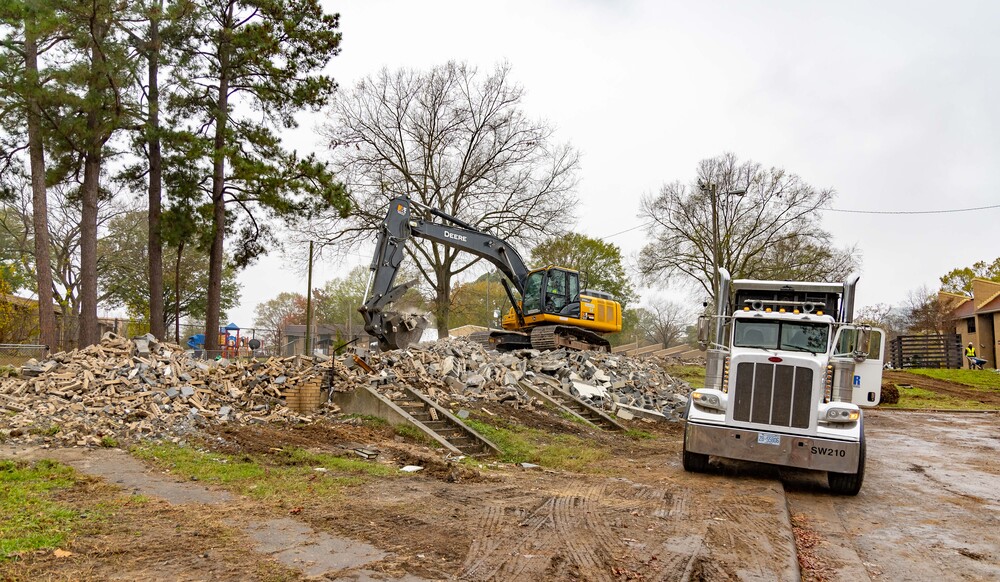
849	483
693	462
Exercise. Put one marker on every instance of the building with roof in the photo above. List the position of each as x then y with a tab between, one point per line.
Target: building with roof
976	319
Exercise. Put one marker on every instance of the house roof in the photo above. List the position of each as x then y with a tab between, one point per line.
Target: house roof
992	306
984	292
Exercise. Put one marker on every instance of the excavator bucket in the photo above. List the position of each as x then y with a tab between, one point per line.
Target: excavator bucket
401	330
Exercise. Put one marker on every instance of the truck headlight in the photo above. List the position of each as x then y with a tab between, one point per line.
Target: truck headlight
840	414
708	400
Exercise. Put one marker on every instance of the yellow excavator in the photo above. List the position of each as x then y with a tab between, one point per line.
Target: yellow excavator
549	309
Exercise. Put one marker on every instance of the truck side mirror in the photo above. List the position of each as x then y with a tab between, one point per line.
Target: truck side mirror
862	344
704	331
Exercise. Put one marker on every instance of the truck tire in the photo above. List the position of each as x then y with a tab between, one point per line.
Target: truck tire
849	483
692	462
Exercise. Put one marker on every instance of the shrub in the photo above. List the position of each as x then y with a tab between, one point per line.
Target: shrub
890	393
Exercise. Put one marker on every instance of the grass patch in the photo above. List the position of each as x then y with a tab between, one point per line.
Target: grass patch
45	429
415	434
109	442
520	444
693	375
369	420
29	518
289	474
987	380
573	418
912	397
639	435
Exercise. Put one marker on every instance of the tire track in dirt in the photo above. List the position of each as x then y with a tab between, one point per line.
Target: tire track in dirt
485	565
567	531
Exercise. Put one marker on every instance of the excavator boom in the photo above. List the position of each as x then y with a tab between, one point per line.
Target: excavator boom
396	330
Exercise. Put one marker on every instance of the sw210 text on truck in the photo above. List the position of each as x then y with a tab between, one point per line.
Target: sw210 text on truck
787	376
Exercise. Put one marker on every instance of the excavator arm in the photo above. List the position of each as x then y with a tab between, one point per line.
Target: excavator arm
397	330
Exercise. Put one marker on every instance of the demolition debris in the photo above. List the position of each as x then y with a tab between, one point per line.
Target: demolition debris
142	388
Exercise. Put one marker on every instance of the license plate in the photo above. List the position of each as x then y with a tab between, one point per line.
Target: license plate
766	438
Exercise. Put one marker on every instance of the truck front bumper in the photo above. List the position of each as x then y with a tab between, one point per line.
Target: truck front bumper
805	452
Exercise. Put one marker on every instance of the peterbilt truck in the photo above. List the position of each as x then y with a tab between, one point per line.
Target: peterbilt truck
788	375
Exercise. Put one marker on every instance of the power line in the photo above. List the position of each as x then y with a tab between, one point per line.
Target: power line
850	211
946	211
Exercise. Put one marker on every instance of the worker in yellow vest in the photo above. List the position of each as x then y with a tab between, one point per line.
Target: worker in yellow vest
974	361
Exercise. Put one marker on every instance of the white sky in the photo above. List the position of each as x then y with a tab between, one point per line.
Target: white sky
893	105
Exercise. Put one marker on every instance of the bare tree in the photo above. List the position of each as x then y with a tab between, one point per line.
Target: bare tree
770	230
925	313
453	139
63	234
664	321
884	316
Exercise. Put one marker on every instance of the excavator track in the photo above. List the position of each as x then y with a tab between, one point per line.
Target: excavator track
550	337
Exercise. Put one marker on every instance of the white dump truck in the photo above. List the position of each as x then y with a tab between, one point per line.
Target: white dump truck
788	374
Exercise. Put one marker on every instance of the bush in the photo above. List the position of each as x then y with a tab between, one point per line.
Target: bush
890	393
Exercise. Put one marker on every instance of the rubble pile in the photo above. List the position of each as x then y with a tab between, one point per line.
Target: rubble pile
122	389
457	370
142	388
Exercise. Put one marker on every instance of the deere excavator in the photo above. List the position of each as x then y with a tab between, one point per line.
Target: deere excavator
549	310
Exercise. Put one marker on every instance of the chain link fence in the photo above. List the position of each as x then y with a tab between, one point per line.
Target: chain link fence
15	355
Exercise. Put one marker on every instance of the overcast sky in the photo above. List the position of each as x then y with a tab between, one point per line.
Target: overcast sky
895	105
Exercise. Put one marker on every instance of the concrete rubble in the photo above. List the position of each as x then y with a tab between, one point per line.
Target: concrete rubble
457	372
138	388
129	389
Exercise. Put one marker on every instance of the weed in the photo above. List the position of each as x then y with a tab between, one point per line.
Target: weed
108	442
45	429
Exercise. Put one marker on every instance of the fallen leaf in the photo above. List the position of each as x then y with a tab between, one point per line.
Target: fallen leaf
62	553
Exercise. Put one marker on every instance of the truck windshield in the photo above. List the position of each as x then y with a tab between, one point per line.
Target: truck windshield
782	335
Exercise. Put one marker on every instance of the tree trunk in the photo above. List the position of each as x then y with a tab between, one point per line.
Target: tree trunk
216	257
157	318
177	294
442	305
88	240
90	192
39	203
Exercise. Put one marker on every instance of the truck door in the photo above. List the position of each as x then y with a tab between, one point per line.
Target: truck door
869	358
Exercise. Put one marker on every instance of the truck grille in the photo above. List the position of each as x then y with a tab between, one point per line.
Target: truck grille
778	395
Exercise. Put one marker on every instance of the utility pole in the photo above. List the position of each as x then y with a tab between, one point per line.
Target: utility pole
713	195
309	286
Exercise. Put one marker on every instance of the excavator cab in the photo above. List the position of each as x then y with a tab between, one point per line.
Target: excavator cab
552	290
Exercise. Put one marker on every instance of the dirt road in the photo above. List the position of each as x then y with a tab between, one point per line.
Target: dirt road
929	510
930	507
